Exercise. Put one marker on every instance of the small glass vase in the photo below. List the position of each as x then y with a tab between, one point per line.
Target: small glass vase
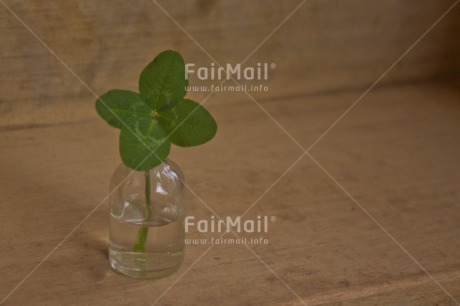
147	213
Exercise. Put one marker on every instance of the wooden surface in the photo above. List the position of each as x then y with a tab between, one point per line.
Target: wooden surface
396	153
327	45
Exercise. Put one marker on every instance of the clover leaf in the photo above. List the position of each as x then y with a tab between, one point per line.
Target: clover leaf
122	108
145	146
162	82
189	124
157	116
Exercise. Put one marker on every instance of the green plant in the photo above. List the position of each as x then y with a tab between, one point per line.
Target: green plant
154	118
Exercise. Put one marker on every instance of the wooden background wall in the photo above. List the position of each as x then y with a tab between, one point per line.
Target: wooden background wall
330	45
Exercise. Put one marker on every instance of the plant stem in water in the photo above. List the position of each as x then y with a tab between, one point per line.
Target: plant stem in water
143	231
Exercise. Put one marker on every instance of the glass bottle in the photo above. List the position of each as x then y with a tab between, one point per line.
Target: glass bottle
146	238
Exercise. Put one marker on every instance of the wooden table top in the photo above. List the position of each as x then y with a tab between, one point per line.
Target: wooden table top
372	217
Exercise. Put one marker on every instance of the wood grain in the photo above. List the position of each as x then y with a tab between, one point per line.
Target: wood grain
399	159
396	152
326	46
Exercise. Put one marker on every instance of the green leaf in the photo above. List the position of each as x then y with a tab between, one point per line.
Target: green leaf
145	146
162	83
121	108
189	124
